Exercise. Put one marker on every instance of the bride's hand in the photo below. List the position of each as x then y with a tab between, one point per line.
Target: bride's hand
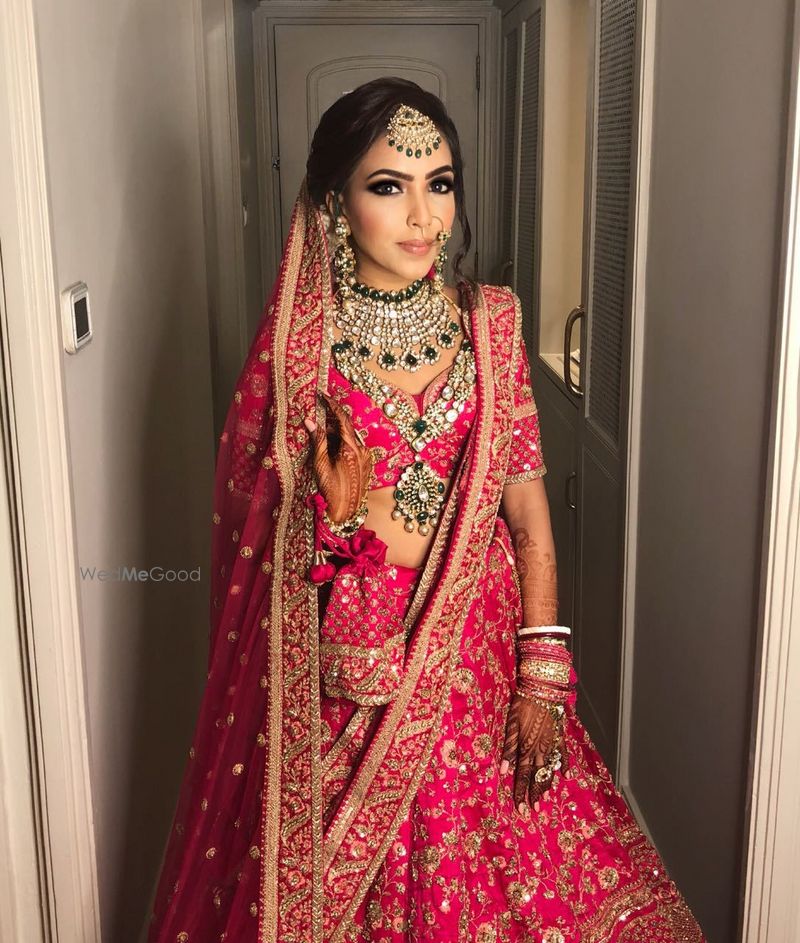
342	463
530	733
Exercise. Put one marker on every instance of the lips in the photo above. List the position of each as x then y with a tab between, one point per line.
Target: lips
416	246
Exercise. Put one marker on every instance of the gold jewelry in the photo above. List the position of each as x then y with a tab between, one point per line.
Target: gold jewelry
409	327
412	132
441	259
344	259
349	526
550	672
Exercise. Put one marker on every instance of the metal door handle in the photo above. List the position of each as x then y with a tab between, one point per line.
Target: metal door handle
503	269
573	316
572	476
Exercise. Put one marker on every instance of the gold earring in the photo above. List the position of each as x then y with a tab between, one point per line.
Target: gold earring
441	259
344	259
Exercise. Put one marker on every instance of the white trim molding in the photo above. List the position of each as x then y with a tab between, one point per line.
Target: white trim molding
47	608
644	145
771	901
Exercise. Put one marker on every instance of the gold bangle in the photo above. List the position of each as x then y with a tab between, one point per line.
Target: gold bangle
547	671
349	526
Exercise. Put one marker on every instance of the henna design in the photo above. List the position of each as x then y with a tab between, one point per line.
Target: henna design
538	578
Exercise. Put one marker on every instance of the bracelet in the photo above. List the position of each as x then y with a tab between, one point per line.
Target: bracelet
349	526
544	630
555	710
541	692
550	672
542	644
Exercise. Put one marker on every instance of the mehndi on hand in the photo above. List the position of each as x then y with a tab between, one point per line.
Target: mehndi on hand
531	736
342	463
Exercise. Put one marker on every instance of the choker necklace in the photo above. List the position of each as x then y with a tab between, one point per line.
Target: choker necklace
409	327
420	492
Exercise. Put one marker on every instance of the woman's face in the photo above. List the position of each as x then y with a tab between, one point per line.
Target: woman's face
396	205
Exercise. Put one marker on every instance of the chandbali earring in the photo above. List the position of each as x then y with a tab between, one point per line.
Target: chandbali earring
441	259
344	259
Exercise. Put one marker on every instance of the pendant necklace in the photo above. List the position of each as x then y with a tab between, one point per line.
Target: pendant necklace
419	494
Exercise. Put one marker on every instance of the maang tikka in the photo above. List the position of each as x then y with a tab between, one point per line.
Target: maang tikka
413	132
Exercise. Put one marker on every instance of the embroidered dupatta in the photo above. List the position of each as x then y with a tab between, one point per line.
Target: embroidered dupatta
313	879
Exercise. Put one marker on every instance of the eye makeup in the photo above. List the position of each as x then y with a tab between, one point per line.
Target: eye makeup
378	186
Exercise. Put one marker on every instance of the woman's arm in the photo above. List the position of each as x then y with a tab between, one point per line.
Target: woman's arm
527	514
530	730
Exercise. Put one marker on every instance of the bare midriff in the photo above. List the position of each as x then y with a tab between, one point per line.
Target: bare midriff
405	548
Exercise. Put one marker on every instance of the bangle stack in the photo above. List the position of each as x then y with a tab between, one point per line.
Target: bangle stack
545	676
545	666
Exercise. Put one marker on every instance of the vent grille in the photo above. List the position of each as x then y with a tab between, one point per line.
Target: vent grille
529	173
614	132
511	60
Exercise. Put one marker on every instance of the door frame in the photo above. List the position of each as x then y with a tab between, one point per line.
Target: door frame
46	815
771	905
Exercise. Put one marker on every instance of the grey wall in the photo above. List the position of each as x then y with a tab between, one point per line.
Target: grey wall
122	149
721	88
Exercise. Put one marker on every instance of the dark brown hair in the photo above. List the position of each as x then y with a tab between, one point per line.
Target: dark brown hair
347	130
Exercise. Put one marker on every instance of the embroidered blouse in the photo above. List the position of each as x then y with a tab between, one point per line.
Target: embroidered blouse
393	453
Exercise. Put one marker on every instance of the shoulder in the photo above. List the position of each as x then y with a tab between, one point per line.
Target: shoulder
467	291
499	297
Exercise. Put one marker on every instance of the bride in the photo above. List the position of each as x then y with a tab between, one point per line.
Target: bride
388	747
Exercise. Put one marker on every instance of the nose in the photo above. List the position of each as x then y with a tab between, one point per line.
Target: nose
420	212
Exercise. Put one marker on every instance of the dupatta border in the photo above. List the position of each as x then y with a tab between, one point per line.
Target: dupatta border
290	892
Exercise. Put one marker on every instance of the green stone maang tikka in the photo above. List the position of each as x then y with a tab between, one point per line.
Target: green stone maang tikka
412	132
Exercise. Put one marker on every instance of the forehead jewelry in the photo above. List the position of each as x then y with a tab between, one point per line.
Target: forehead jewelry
412	132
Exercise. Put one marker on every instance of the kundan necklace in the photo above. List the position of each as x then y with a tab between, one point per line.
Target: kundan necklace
419	494
409	328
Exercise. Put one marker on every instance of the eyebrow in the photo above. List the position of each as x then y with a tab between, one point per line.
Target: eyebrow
401	176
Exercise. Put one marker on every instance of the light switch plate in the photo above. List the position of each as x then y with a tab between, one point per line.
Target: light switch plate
76	317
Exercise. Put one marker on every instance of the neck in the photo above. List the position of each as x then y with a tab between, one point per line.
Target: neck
382	279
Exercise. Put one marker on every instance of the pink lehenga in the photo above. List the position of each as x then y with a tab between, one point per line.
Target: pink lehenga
306	817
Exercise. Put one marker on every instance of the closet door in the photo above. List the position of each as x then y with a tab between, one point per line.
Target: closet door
603	427
568	147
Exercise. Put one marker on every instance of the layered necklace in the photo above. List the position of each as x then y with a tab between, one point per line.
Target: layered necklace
409	327
404	330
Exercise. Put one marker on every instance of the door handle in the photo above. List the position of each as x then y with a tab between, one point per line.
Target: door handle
572	476
503	269
573	316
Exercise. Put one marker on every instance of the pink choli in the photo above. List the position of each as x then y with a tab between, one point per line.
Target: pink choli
393	453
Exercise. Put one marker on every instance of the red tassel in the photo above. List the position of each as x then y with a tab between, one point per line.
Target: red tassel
321	572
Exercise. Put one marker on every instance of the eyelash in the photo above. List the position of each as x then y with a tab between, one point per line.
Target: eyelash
374	188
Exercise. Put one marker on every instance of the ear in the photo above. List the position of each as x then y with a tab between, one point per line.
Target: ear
331	201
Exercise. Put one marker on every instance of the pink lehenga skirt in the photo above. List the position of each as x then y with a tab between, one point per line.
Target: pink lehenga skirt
465	866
